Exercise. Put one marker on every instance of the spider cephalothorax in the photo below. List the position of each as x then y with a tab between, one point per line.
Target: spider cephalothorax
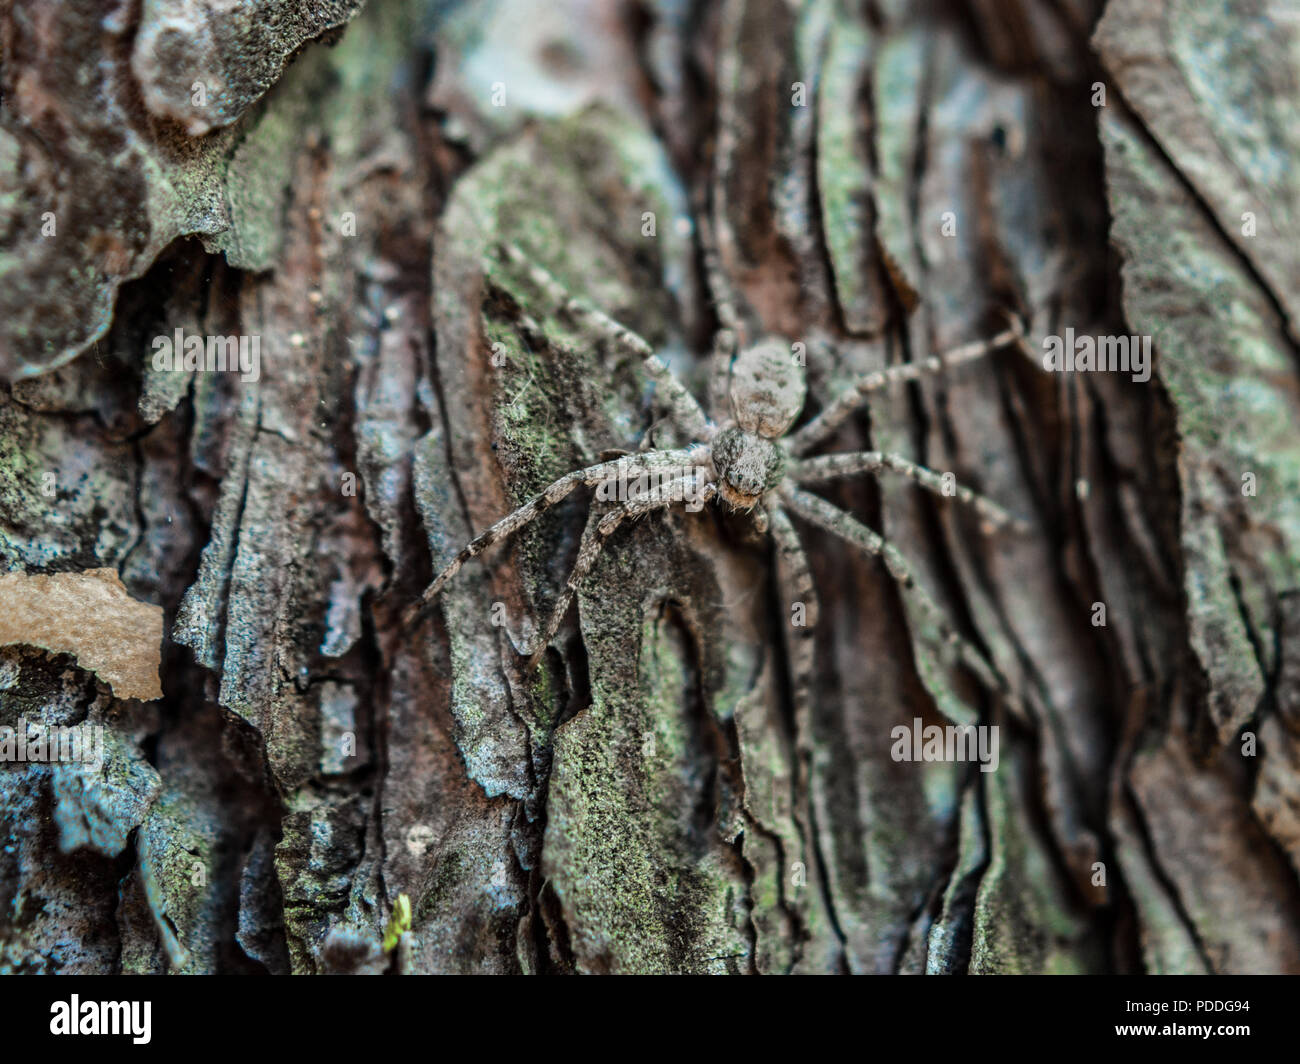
743	453
748	467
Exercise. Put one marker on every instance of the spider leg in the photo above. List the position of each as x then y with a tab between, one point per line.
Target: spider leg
843	405
824	515
724	303
724	353
597	534
831	466
627	465
797	587
683	409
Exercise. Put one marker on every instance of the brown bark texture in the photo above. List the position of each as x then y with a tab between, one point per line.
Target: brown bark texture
323	787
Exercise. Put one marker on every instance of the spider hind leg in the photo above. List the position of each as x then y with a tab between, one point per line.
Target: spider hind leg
683	410
843	405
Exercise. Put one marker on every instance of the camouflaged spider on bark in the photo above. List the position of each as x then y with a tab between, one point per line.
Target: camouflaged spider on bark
744	456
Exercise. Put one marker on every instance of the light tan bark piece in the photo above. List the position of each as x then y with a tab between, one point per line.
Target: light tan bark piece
91	616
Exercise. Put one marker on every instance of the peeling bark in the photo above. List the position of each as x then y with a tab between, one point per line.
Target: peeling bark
886	181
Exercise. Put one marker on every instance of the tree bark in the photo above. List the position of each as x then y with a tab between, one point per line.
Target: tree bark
886	181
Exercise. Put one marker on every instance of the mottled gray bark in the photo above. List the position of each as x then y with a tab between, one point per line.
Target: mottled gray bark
886	181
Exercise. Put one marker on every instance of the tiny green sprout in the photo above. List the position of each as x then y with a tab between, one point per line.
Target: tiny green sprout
398	923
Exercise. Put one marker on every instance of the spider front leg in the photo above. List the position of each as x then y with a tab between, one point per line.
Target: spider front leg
819	512
798	589
832	466
843	406
683	410
536	506
692	488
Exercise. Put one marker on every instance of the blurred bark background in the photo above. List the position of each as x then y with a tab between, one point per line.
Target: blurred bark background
885	177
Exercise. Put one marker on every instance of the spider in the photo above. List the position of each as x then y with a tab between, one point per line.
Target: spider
745	457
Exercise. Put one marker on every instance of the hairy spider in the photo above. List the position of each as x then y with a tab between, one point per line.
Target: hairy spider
742	457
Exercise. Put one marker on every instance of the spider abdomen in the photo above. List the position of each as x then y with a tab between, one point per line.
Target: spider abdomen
768	386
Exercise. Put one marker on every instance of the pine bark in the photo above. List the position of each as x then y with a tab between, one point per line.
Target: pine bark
886	181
